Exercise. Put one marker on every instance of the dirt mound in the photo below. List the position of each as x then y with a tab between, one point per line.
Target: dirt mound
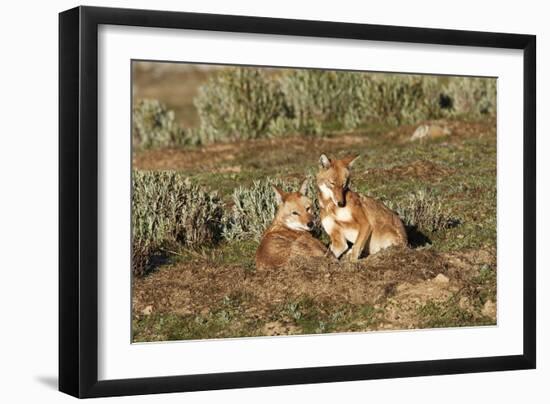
366	282
191	288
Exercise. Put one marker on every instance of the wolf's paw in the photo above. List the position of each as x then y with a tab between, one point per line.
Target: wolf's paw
348	256
338	252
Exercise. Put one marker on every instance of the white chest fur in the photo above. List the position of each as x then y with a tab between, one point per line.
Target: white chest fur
343	214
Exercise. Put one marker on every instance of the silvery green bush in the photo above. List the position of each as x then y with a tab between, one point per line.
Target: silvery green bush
169	211
400	99
254	208
424	211
238	103
472	96
250	103
154	125
323	99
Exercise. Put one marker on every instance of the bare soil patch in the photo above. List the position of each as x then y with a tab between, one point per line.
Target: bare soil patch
254	152
396	281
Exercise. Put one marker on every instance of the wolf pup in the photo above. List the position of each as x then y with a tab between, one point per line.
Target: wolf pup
289	234
349	217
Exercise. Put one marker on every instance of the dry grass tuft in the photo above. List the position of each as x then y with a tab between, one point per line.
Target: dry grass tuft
424	211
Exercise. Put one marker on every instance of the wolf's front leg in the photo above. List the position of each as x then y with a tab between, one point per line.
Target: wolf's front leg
360	243
338	243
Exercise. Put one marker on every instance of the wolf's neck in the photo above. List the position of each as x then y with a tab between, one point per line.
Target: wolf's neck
279	225
324	201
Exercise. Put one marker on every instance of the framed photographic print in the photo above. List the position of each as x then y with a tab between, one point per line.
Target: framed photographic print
251	201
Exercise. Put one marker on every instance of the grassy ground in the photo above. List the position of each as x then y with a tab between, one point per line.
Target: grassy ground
448	279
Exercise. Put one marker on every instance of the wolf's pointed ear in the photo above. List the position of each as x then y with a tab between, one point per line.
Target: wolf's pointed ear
348	161
324	161
303	187
280	195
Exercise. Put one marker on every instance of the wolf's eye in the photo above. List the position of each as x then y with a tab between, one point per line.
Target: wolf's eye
295	213
308	209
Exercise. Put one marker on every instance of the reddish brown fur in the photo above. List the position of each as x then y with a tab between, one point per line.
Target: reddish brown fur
288	236
349	217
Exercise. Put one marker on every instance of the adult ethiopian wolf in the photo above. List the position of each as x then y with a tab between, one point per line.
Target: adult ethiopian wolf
290	233
347	216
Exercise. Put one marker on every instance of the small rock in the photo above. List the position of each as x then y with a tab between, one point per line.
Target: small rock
147	310
420	132
440	278
464	303
278	328
489	309
430	131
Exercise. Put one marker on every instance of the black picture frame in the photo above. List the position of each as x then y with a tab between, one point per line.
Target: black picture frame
78	201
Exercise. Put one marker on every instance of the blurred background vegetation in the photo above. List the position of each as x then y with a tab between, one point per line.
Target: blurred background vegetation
224	104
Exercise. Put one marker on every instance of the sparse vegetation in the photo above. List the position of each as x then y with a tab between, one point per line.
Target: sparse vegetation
238	103
154	125
168	209
472	96
254	208
424	211
250	103
401	99
321	100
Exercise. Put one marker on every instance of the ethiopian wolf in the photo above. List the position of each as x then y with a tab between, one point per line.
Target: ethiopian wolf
289	234
349	217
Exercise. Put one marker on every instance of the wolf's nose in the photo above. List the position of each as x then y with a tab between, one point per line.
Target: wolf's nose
341	204
310	224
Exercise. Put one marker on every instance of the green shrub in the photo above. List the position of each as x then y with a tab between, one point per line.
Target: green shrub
424	211
254	208
249	103
168	211
238	103
400	99
322	99
154	125
472	96
246	103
